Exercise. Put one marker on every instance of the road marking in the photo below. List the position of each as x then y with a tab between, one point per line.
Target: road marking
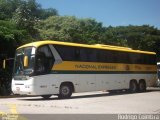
13	108
12	115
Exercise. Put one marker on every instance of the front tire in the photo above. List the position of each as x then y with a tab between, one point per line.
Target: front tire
65	91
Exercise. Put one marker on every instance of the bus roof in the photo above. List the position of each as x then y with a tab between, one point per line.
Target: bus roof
96	46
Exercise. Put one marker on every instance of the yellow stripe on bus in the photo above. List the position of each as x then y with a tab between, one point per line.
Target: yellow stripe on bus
93	66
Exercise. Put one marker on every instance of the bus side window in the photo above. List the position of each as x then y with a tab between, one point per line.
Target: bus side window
40	66
44	60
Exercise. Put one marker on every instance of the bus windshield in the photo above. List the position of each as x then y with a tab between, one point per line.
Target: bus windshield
19	69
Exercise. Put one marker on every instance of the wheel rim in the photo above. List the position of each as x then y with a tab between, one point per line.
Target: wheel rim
65	90
142	86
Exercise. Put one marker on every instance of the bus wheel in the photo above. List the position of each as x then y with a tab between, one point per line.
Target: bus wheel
65	91
133	87
46	96
142	86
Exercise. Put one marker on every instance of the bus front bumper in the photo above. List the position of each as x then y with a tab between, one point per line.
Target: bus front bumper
23	87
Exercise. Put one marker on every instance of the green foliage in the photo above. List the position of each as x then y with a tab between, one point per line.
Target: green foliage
72	29
25	19
65	28
17	23
11	37
25	13
7	8
45	13
137	37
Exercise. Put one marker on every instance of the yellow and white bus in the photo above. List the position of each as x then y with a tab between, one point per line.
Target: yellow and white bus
48	68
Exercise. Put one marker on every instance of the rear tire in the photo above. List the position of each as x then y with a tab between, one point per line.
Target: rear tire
142	86
133	87
65	91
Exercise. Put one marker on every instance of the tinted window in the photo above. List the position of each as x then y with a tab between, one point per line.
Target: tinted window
44	60
67	53
70	53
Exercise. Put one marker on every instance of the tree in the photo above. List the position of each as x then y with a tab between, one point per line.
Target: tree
72	29
11	37
25	17
25	13
7	8
113	37
143	37
46	13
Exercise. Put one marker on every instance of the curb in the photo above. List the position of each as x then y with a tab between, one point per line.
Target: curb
16	96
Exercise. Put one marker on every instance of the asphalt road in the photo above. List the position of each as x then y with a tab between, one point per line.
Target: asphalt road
85	103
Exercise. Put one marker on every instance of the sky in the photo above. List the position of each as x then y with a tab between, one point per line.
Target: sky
109	12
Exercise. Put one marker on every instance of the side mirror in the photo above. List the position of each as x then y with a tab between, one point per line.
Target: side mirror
4	64
25	61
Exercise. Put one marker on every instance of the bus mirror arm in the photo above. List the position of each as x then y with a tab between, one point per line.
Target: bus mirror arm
25	61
